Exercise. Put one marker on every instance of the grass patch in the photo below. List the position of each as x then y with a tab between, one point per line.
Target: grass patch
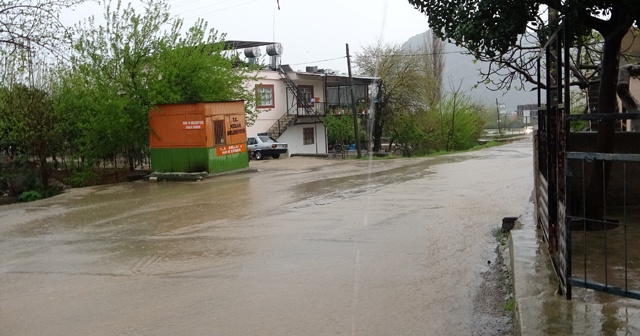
500	236
510	305
391	156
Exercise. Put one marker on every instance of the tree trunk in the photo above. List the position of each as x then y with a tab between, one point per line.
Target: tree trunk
608	103
44	171
629	102
378	123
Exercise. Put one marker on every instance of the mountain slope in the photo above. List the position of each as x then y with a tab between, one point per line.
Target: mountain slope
460	69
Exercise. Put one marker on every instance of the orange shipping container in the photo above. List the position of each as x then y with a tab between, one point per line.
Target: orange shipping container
198	137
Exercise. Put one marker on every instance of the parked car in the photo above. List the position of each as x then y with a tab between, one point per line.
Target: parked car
262	145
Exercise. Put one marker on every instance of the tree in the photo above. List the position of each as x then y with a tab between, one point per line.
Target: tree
431	56
408	80
459	123
30	34
28	121
491	28
408	131
121	69
339	128
25	24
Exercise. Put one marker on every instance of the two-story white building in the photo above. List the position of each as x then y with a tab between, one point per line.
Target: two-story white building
293	104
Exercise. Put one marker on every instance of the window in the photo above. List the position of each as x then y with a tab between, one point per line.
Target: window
265	96
305	95
307	135
218	132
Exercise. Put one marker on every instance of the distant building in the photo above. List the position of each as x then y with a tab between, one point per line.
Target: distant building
528	113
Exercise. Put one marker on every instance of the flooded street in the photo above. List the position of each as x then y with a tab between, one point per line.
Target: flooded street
302	246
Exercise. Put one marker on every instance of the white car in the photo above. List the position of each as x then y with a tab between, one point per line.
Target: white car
262	146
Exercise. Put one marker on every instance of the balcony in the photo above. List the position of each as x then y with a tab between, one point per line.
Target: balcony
319	109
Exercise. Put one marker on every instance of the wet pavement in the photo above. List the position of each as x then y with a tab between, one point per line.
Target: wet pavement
300	246
541	311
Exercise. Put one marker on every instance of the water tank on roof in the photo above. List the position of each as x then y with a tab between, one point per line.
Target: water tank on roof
312	69
274	49
252	52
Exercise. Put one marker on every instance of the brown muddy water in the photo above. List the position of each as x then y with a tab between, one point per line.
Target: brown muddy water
300	246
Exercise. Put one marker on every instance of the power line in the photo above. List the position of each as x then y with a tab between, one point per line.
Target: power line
402	55
430	54
320	61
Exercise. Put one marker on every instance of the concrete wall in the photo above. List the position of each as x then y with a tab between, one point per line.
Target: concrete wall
269	116
294	138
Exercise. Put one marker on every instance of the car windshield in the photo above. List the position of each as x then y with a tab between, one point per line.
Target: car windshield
266	139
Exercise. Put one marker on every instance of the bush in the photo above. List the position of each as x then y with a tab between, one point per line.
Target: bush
30	196
17	175
82	178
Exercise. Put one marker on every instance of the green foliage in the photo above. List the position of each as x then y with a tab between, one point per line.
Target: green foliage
17	175
83	178
457	124
503	32
340	128
409	134
492	27
483	26
132	62
510	305
409	81
501	237
28	120
30	196
454	124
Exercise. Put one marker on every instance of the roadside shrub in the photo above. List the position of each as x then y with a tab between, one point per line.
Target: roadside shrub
17	176
83	178
30	196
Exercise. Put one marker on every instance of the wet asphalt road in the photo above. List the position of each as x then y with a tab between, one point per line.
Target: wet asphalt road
303	246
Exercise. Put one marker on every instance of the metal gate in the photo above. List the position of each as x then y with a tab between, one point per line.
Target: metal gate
594	253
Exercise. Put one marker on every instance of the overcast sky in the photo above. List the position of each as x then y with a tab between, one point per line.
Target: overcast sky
309	30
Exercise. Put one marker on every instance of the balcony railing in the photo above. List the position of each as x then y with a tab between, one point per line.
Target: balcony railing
319	109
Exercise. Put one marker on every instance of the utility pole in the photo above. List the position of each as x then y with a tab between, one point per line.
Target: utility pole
353	105
498	111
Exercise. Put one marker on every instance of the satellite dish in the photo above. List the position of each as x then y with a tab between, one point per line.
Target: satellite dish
274	49
252	52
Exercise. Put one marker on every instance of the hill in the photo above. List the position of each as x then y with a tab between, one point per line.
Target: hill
461	69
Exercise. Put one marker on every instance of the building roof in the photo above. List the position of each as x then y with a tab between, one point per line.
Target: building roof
236	44
333	79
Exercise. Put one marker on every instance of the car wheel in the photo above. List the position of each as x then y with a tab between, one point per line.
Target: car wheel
338	148
258	155
275	156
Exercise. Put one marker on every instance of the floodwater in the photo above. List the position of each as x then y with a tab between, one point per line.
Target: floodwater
301	246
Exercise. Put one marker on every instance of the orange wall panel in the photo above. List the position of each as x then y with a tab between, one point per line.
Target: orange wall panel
236	129
191	125
209	132
224	108
175	126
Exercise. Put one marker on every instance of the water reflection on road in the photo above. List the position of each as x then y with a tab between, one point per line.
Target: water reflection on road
302	246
